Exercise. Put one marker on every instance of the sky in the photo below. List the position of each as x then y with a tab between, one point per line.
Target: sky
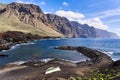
102	14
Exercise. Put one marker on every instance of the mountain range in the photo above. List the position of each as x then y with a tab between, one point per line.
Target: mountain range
29	18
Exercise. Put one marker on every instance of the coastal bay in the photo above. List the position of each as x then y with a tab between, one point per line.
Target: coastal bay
33	70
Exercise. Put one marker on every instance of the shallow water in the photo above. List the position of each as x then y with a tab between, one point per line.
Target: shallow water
43	49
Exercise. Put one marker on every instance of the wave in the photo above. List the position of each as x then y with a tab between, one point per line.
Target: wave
27	43
13	47
17	45
47	59
75	61
17	63
108	52
43	60
50	59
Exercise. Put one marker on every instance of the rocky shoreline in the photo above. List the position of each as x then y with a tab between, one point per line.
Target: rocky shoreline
11	38
35	70
97	58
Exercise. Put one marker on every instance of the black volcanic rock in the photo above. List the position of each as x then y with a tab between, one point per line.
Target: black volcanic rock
116	63
14	36
97	58
3	55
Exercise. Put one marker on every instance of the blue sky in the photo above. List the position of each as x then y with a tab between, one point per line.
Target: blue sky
103	14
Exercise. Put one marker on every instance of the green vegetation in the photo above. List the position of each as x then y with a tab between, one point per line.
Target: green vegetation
99	75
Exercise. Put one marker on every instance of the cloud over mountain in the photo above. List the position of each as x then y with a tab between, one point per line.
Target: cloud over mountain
75	16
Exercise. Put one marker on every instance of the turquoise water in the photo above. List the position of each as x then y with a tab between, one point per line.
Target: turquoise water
43	49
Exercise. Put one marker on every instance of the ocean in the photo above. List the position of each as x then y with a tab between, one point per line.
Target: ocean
44	49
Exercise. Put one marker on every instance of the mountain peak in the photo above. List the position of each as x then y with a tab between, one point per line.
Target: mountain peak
24	7
26	18
27	13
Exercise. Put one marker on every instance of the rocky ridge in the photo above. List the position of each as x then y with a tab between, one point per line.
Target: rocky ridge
29	18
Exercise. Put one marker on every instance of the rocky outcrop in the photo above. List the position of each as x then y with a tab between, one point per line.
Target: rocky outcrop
5	46
116	63
10	38
16	36
97	59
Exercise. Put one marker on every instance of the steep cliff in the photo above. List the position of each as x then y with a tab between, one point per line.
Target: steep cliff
62	25
27	18
84	31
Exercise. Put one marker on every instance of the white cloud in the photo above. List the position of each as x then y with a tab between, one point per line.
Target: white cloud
65	3
113	20
95	22
19	1
79	17
108	13
70	14
25	2
42	3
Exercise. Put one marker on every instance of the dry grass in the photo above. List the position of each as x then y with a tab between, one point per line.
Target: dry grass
2	6
14	24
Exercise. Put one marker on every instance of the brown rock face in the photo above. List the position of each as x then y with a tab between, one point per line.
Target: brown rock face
27	13
27	18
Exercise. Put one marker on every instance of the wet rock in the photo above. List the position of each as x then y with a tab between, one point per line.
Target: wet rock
116	63
5	47
97	58
65	48
3	55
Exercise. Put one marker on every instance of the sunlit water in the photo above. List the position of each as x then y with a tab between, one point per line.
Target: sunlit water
43	49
